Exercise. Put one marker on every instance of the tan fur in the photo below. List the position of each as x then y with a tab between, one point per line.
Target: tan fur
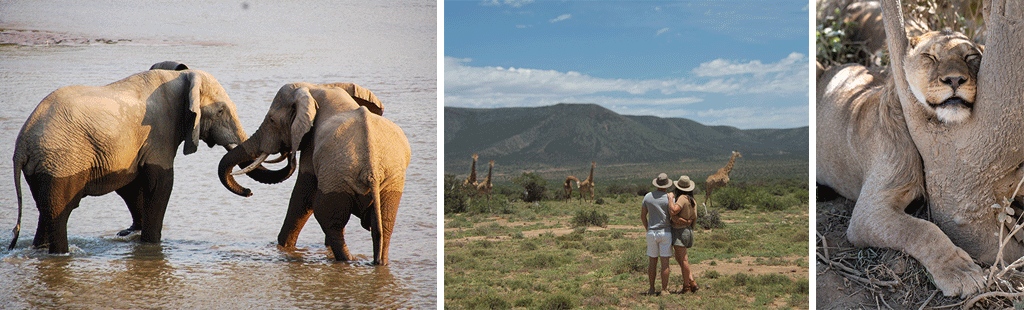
484	188
470	181
587	186
934	64
866	153
568	186
719	179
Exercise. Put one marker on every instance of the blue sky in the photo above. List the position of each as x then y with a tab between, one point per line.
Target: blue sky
736	63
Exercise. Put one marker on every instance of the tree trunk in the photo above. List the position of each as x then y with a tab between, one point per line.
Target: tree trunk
975	164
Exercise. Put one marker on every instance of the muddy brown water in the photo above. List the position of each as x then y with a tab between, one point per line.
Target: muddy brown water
218	249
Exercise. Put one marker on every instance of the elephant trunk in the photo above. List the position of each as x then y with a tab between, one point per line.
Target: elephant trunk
267	176
233	158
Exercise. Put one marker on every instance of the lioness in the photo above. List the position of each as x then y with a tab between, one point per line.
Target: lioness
865	151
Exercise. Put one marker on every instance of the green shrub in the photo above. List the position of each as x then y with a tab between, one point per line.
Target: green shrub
524	302
599	201
543	260
712	274
535	187
517	235
599	247
488	300
731	198
741	279
631	260
591	218
454	196
528	246
558	302
711	220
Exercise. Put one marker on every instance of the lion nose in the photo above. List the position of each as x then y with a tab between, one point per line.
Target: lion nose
954	81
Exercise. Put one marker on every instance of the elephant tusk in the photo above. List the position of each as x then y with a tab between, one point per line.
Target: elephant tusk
279	158
259	160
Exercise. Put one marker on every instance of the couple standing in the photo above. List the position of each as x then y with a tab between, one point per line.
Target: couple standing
668	214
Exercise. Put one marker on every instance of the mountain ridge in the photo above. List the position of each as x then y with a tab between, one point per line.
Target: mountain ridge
561	134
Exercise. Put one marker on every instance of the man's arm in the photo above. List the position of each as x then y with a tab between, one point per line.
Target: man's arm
643	215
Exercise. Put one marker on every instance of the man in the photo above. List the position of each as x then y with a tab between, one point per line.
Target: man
654	213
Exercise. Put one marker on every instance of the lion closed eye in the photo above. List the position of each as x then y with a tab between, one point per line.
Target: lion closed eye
942	70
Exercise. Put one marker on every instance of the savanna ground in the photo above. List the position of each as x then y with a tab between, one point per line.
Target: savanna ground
525	250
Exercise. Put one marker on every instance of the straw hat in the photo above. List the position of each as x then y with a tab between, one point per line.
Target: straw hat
684	184
662	181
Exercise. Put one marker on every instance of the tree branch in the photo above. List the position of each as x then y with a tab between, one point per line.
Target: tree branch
896	39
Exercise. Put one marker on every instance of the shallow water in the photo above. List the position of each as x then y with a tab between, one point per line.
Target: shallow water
218	249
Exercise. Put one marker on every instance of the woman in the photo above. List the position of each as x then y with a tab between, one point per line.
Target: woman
683	217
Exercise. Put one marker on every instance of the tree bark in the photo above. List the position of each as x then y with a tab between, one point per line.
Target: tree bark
975	164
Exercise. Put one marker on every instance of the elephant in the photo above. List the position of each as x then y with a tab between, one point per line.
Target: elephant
169	65
89	141
352	161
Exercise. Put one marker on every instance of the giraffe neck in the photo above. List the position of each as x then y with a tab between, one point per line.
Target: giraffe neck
591	177
728	167
489	170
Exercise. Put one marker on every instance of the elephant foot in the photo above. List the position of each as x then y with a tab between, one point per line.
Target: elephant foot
128	235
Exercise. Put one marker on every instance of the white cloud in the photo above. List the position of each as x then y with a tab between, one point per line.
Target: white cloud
788	76
512	3
723	67
561	18
523	26
488	87
661	31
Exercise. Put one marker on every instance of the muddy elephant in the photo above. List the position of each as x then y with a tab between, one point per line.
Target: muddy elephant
89	141
352	162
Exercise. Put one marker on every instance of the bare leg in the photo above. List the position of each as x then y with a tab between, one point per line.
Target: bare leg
664	273
652	273
684	264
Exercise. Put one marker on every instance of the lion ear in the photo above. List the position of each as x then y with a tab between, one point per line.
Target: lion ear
913	41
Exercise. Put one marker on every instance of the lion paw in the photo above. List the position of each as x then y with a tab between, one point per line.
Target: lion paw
957	275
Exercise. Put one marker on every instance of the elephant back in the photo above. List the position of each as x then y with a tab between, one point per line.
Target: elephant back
352	149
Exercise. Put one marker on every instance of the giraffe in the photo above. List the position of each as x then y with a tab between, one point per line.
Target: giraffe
484	188
719	179
588	184
471	180
568	186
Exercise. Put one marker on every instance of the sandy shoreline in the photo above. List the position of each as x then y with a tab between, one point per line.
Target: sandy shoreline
39	37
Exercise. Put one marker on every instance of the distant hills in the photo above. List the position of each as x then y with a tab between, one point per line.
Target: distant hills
572	134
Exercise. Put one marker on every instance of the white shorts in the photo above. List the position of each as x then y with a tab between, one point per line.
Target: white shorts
659	243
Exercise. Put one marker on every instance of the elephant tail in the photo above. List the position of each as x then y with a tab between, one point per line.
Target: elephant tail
379	250
18	166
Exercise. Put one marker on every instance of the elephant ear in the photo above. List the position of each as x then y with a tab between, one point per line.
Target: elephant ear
305	112
362	96
194	82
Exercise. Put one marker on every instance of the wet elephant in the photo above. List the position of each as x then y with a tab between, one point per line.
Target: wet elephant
89	141
353	162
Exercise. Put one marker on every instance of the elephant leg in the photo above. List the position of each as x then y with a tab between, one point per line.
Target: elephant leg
332	211
133	198
55	198
157	192
300	207
389	201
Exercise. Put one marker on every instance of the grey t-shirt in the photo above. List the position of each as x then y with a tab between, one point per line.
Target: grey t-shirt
657	205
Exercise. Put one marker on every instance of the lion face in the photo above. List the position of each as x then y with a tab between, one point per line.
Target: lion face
942	70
